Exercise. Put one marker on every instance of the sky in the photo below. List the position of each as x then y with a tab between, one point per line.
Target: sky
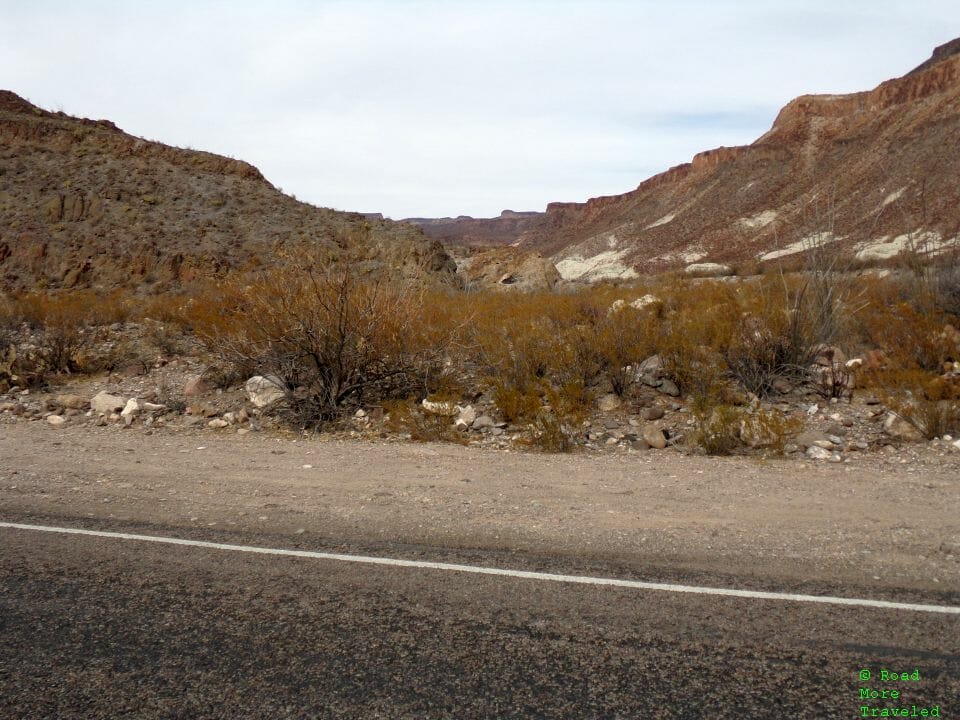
432	109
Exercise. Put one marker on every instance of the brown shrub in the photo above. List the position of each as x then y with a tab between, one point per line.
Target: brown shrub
929	402
336	340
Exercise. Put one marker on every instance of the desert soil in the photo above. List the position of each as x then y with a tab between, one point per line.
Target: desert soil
877	525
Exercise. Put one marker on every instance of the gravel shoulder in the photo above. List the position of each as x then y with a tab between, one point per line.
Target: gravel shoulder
875	524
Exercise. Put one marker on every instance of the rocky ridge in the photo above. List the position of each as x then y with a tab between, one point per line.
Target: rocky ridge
83	203
869	171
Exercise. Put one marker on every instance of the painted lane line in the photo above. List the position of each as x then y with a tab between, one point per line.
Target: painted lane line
480	570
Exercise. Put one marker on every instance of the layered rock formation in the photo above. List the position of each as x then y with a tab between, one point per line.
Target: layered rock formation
84	204
877	172
508	268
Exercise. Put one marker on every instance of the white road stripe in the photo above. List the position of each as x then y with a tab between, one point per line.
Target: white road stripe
479	570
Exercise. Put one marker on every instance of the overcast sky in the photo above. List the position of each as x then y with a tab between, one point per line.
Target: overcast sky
446	108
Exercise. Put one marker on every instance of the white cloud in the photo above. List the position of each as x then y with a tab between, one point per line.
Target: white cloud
442	108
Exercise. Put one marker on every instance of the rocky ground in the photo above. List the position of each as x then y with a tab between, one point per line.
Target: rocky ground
176	392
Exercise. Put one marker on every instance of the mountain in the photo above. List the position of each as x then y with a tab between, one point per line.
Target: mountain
84	204
875	171
465	231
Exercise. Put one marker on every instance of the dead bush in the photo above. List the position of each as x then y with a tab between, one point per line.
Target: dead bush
336	340
718	429
695	335
404	416
929	402
912	337
624	337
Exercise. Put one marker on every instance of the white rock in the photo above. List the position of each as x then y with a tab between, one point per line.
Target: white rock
264	389
708	269
217	423
815	452
466	417
103	403
956	444
132	408
641	302
446	409
56	420
152	407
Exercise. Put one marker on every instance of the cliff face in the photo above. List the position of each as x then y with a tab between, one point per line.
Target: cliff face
869	168
84	204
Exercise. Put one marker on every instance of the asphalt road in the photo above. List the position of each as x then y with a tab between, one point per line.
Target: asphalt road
106	628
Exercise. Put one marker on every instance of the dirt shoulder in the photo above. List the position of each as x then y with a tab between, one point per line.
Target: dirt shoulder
874	523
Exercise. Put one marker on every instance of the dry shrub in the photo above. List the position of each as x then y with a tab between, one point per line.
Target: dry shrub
772	337
536	345
64	330
624	337
946	281
515	404
912	337
929	402
695	335
335	340
403	416
718	429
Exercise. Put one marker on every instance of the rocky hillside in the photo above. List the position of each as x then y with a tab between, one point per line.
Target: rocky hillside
465	231
84	204
876	171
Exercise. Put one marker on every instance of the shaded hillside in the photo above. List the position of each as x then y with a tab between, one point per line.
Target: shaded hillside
877	170
84	204
466	231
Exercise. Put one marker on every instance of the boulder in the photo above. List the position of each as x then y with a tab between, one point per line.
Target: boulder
132	407
217	423
810	438
609	402
197	385
653	365
896	427
652	413
465	417
264	390
668	387
56	420
483	422
815	452
72	402
103	403
654	437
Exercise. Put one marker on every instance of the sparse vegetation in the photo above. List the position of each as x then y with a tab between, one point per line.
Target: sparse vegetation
342	340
